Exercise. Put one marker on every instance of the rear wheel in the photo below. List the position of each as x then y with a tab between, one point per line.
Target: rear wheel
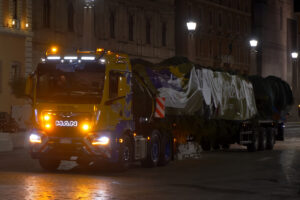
270	138
166	150
280	132
153	150
262	139
255	144
49	164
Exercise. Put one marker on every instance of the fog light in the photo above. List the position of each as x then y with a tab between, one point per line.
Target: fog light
101	141
34	138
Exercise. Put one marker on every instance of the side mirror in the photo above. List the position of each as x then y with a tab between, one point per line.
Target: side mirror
29	86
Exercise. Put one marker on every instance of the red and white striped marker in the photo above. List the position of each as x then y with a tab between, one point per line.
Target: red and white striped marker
160	107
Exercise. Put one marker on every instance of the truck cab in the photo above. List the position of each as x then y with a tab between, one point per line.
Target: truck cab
82	110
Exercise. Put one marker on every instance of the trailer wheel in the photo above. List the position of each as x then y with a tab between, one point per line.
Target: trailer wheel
126	153
255	144
205	144
153	150
270	138
49	164
166	150
280	132
262	139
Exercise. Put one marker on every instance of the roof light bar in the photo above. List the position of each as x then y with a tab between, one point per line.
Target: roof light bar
88	58
53	58
70	57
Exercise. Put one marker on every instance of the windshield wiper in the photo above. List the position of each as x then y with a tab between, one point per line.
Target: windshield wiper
84	93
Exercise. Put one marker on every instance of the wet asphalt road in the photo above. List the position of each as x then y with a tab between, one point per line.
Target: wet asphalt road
233	174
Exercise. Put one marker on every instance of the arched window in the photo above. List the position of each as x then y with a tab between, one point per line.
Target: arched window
148	31
46	13
130	28
15	9
112	25
164	34
71	17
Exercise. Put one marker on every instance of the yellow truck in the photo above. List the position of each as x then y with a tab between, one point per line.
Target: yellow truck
99	106
83	111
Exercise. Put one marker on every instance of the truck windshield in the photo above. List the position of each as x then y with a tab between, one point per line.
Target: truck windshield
70	83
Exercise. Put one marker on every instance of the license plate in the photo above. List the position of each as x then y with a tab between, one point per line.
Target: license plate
61	123
66	141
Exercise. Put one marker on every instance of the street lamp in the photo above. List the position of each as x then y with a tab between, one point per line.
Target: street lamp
294	55
89	3
191	26
253	43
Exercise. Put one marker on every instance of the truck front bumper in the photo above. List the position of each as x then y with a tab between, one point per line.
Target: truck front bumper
70	149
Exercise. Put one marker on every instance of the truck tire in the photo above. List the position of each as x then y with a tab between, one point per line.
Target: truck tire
205	144
49	164
262	139
125	155
166	150
280	132
270	138
153	150
255	143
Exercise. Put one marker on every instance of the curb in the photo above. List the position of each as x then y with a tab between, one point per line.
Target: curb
11	141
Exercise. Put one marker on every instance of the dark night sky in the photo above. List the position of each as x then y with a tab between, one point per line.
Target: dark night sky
297	5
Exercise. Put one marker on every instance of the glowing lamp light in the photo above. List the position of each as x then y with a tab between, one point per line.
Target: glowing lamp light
85	127
294	55
13	22
48	126
46	117
34	138
191	25
101	141
54	49
27	25
253	43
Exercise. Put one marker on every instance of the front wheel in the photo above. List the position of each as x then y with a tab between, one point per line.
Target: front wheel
126	154
153	150
166	150
49	164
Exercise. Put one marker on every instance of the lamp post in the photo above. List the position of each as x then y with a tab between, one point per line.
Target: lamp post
191	27
294	56
88	24
253	56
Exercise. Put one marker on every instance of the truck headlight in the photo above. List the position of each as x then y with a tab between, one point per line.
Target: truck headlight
35	138
103	140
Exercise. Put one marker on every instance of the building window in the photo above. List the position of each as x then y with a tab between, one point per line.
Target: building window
130	28
112	25
164	34
15	9
15	71
210	18
1	78
281	18
220	20
70	17
148	31
46	13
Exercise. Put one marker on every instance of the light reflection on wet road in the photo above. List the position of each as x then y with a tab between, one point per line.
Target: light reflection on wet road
234	174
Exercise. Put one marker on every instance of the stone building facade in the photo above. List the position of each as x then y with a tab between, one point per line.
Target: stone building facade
15	47
143	29
274	25
222	35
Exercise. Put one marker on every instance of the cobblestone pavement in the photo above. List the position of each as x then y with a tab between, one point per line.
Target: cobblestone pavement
233	174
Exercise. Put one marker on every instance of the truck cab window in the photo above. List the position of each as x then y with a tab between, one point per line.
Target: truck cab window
113	84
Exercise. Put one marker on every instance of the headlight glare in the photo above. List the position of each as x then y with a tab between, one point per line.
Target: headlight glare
35	138
103	140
